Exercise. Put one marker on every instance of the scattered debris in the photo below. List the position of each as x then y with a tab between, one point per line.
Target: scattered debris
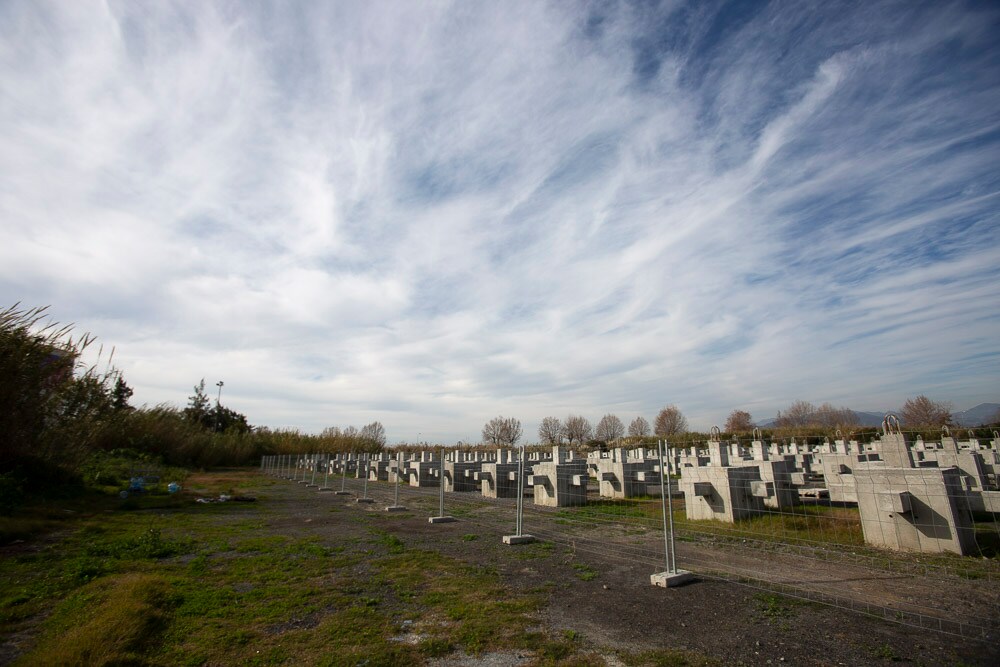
223	498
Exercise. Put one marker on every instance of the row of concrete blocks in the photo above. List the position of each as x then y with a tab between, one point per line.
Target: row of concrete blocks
558	480
908	500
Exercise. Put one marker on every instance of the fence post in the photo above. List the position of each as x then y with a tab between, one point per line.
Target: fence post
519	537
395	506
441	518
364	495
343	477
671	576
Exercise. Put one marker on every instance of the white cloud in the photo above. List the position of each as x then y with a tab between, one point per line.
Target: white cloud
433	213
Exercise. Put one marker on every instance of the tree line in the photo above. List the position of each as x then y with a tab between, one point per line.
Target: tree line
576	430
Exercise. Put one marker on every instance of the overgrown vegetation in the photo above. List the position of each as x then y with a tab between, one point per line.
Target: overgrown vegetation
59	418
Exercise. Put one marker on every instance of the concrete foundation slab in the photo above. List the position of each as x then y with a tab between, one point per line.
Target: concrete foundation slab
343	493
364	500
441	519
518	539
395	508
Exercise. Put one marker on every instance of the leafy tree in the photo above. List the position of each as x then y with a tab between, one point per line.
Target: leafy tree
198	407
739	421
670	421
576	429
219	419
550	431
639	428
373	435
120	395
226	420
922	412
609	429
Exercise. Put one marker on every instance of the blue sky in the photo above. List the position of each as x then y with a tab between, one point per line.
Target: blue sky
433	213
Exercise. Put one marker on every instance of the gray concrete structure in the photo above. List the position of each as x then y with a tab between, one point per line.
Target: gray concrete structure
723	493
498	478
561	482
460	471
914	509
378	467
775	473
424	471
908	507
624	474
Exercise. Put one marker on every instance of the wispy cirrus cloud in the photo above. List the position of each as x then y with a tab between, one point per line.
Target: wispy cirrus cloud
433	213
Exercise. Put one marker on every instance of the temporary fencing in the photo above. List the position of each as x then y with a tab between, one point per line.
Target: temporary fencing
773	524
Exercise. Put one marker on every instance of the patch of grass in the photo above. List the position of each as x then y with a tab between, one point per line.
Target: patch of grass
584	572
774	607
435	647
534	550
885	652
149	543
112	621
805	524
469	537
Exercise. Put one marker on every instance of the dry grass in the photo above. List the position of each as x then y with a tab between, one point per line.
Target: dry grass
113	621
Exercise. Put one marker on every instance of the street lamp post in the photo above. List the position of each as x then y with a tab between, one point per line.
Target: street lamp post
218	405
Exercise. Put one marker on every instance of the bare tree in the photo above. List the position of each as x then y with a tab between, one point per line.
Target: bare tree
374	434
639	428
739	421
501	431
831	417
493	431
577	429
670	421
512	431
609	429
331	432
798	413
550	431
923	412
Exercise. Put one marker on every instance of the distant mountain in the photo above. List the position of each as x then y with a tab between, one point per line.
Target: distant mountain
984	413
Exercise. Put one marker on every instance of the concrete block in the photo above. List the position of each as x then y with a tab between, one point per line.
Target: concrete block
518	539
441	519
937	519
671	579
722	493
